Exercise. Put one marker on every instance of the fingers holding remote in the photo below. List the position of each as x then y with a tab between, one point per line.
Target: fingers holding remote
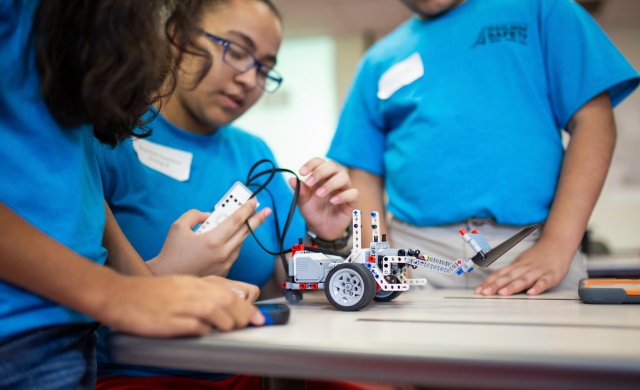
235	223
212	252
225	240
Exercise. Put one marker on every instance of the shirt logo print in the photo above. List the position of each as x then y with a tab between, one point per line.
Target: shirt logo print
516	33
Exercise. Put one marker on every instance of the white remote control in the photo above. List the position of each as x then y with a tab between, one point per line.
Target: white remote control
230	202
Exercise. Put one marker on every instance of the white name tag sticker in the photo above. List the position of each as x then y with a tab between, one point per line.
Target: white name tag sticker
169	161
403	73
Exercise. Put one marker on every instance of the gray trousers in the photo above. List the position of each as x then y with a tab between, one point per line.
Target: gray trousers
444	242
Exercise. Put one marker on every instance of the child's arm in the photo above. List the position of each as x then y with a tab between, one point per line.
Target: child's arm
147	306
122	256
585	167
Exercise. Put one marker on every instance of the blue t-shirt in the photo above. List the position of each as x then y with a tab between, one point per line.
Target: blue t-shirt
50	175
462	114
146	202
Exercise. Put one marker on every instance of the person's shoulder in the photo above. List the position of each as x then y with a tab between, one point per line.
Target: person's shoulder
548	7
389	45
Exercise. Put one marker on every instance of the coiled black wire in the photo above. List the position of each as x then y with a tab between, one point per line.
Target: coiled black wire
251	182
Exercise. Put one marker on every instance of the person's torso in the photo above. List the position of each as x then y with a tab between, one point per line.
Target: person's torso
476	123
50	174
471	104
146	201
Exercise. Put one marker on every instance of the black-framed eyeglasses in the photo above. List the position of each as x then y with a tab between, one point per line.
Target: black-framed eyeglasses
241	60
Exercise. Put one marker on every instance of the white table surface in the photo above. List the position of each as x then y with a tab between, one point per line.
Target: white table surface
434	338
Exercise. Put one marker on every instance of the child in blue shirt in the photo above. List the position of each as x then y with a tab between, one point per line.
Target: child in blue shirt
459	113
204	156
66	76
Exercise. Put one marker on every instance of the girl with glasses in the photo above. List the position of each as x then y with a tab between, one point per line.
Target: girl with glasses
194	155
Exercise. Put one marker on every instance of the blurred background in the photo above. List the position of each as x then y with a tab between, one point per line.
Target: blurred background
324	40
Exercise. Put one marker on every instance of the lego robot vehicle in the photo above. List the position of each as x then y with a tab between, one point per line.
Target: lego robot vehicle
378	272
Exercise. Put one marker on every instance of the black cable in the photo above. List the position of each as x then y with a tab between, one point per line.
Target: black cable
280	234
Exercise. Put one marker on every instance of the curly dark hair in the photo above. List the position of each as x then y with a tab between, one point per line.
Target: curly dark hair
104	62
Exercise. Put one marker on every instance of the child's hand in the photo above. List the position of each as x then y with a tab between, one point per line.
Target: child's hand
536	270
245	291
210	253
174	306
326	198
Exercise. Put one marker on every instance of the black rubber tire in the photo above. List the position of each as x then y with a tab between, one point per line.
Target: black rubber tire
386	296
293	296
